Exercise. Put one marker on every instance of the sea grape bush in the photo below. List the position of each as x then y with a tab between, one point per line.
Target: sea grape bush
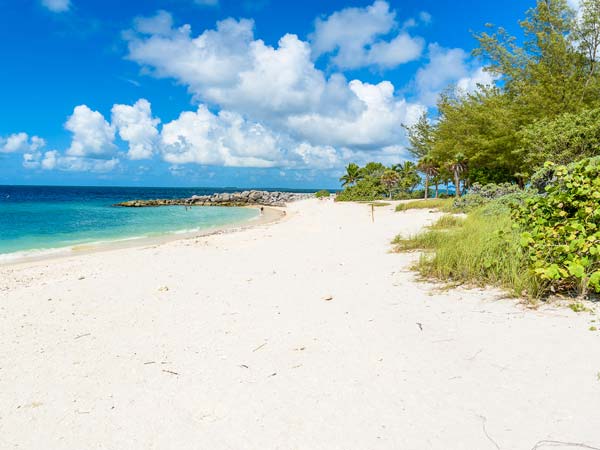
479	195
561	228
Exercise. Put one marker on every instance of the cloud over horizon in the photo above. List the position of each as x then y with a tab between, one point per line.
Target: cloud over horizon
265	106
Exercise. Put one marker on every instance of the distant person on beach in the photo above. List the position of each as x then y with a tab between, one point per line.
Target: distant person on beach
262	210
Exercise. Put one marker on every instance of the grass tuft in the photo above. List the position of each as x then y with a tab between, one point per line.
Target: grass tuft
482	249
447	221
444	204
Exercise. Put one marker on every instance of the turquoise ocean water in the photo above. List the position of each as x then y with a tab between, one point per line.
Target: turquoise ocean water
41	218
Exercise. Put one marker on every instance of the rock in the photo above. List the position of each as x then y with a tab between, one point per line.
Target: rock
244	198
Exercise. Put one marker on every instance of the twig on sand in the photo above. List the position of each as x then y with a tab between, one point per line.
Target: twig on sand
541	444
259	347
472	358
82	335
420	325
484	420
171	372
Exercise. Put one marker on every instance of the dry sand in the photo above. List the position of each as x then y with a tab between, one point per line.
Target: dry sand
230	342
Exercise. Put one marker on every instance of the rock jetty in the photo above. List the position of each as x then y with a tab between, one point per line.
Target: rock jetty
245	198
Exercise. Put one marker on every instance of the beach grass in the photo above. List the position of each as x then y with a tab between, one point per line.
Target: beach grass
481	249
444	204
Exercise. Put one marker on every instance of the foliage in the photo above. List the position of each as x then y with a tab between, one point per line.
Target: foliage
481	249
352	175
430	168
420	137
366	189
560	231
447	221
390	180
544	105
409	176
374	181
457	165
566	138
322	194
432	203
480	195
373	169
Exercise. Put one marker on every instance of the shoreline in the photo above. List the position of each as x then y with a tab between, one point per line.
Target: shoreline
270	215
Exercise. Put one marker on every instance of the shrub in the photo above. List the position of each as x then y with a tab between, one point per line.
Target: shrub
322	194
480	195
367	189
561	229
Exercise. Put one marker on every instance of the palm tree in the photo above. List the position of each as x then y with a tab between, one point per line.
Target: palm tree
353	174
458	166
390	179
409	178
430	168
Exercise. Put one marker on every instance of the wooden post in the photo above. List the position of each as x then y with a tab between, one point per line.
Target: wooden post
372	212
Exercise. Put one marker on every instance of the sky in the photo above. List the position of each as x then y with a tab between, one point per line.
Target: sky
245	93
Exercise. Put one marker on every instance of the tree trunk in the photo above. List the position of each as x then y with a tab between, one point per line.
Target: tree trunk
436	189
447	187
457	184
426	186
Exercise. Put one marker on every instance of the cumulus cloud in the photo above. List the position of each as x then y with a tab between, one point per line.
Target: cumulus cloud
448	67
137	127
92	135
54	160
20	142
224	139
355	38
57	6
277	88
471	83
377	125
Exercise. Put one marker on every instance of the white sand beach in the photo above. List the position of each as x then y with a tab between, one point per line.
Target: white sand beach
307	333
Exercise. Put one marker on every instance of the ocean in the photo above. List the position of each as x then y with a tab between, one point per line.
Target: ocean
34	219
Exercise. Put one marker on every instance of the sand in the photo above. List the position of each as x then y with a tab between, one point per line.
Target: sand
303	334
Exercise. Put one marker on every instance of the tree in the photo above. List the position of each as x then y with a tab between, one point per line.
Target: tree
564	139
353	174
430	169
389	180
420	136
458	166
372	169
409	177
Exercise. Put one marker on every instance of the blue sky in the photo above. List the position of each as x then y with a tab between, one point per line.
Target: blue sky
221	92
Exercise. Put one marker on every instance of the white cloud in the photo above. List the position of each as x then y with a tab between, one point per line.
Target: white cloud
354	36
278	89
93	136
225	139
471	83
54	160
159	24
57	5
136	126
378	124
20	142
447	67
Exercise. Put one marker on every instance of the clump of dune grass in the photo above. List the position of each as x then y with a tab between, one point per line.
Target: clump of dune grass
482	249
379	204
447	221
444	204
